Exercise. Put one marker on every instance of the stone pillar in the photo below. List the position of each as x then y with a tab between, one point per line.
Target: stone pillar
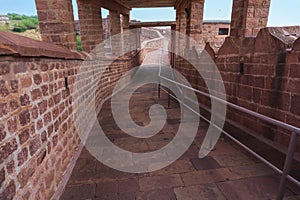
177	31
126	35
195	21
135	38
115	22
125	22
90	19
56	22
182	30
248	17
115	31
173	44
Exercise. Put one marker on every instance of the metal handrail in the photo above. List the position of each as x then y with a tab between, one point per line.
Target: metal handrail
255	114
292	144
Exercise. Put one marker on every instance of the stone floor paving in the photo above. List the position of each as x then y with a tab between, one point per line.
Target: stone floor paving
226	173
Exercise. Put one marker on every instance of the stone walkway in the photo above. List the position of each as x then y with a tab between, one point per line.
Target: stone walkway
226	173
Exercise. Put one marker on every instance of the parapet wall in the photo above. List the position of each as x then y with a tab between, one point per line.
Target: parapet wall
261	74
211	35
38	139
151	38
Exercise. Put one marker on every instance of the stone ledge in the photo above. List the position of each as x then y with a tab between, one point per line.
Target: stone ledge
16	45
287	35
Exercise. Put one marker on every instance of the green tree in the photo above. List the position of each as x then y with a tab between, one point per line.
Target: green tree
21	21
79	46
19	27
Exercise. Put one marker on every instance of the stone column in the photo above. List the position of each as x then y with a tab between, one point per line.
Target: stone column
115	31
248	17
91	29
115	22
173	44
182	30
195	21
126	35
135	38
177	31
56	22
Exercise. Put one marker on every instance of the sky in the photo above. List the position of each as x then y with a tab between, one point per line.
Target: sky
282	12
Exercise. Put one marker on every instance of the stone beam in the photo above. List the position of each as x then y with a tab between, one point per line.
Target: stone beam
248	17
56	22
90	19
151	24
149	3
116	6
178	3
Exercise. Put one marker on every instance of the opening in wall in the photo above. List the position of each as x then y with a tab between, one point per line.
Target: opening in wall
223	31
77	25
106	29
153	14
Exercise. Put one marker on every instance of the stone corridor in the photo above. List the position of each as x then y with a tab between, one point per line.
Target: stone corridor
41	82
226	173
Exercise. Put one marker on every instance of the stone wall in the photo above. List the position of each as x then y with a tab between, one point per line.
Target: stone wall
211	33
56	22
38	139
151	38
262	75
149	33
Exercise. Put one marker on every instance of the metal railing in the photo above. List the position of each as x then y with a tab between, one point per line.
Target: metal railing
291	147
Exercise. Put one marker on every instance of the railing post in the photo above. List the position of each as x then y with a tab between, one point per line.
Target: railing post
287	165
159	89
169	99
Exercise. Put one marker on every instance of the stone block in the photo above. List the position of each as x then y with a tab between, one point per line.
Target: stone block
24	117
7	148
26	173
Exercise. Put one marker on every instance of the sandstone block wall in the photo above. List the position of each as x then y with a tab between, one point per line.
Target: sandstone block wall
38	138
211	34
262	75
56	22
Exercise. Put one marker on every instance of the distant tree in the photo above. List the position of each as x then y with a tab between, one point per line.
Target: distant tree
22	23
14	16
29	24
20	27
